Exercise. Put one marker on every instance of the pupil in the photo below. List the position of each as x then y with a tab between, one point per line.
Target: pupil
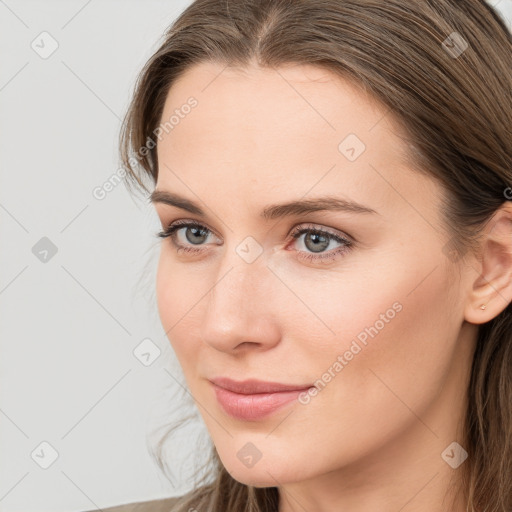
317	237
197	232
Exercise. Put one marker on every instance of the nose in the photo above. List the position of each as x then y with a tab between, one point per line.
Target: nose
240	310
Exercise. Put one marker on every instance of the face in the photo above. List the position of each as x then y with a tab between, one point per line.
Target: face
356	306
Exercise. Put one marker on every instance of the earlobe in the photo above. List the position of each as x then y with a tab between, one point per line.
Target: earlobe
491	290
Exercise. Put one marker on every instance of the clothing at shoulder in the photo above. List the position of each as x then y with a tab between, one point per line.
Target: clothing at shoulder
164	505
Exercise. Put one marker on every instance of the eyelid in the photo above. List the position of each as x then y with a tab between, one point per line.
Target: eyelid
185	223
322	229
307	226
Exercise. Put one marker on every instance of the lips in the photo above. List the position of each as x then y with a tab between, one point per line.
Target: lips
253	386
252	400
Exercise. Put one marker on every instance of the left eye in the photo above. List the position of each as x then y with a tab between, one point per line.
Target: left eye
316	240
320	239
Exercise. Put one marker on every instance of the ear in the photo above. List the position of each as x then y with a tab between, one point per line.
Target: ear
493	283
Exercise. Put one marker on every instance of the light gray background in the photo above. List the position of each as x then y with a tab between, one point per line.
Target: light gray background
71	322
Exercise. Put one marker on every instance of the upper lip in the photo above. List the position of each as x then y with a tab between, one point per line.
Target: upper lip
253	386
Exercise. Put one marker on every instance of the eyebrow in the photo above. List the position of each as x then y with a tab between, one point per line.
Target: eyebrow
273	211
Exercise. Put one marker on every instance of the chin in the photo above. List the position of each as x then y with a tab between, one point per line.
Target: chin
265	473
259	479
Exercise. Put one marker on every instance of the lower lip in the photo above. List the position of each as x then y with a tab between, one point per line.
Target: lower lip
254	407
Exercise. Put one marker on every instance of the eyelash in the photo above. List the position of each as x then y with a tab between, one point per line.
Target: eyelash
170	231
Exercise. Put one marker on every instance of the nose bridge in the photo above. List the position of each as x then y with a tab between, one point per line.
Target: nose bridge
242	274
238	309
239	288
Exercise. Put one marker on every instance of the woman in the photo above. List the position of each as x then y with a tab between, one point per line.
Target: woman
333	179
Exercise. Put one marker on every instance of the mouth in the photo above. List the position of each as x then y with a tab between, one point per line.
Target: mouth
252	400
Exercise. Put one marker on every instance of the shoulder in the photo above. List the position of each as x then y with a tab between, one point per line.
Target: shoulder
163	505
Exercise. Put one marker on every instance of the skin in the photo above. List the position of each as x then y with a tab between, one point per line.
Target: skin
372	438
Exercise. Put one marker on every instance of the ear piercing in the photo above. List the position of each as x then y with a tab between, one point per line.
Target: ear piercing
483	306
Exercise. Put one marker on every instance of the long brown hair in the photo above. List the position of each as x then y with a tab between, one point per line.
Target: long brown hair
443	69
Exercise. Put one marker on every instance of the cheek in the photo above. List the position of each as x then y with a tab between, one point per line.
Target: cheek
177	293
396	333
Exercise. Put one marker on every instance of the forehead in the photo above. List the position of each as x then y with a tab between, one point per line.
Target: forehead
294	129
307	101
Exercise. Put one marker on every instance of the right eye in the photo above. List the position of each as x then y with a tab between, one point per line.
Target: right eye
197	231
